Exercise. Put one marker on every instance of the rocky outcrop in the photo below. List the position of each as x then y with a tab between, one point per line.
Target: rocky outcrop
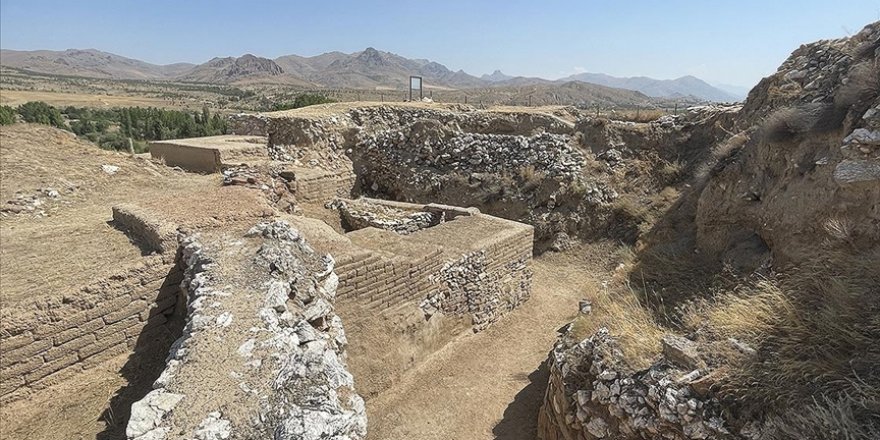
262	354
799	179
683	137
810	161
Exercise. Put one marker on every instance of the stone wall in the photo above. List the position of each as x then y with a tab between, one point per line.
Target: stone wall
279	370
474	265
385	278
44	344
593	394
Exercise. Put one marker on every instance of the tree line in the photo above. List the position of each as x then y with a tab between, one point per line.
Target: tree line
112	128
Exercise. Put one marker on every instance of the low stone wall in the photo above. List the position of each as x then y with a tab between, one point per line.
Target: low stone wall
44	344
592	394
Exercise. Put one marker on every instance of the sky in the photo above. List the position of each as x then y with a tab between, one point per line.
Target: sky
726	42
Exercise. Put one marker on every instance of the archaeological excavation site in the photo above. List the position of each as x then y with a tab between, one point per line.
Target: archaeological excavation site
419	270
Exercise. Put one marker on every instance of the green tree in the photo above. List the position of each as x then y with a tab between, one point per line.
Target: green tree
125	122
206	119
41	113
7	115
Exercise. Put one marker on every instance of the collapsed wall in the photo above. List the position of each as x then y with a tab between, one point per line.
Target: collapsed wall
593	394
541	168
262	354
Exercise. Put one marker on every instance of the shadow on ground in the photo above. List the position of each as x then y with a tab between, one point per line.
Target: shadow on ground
141	369
520	420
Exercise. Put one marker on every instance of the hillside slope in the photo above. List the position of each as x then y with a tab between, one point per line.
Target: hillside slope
670	88
89	63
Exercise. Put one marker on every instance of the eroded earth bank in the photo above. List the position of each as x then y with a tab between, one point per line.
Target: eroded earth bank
428	271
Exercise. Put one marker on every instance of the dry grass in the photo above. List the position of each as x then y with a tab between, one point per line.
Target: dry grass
671	172
839	228
530	175
817	333
745	315
850	417
627	320
639	115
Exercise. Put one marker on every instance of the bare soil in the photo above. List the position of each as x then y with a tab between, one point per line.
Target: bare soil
15	98
490	385
69	241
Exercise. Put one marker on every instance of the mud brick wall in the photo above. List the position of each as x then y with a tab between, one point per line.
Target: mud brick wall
380	283
322	187
202	160
42	344
483	279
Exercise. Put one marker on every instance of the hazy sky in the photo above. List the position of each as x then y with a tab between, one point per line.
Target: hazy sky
733	42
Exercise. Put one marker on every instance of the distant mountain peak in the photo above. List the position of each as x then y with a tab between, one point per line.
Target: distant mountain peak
496	76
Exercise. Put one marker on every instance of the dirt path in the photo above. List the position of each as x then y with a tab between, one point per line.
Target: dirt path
487	385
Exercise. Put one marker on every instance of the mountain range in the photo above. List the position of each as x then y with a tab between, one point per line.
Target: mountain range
368	69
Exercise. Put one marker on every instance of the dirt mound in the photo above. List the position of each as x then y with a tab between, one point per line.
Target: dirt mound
764	264
807	178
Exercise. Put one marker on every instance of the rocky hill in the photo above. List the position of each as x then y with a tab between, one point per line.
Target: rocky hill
670	88
496	76
367	69
231	70
89	63
753	299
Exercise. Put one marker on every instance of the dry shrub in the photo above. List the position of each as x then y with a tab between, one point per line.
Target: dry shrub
722	154
816	330
668	277
578	188
787	123
839	228
641	115
849	417
861	88
631	214
531	175
743	314
671	172
627	320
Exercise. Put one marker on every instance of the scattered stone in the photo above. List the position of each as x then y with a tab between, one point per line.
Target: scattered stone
851	171
110	169
561	242
585	307
681	351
